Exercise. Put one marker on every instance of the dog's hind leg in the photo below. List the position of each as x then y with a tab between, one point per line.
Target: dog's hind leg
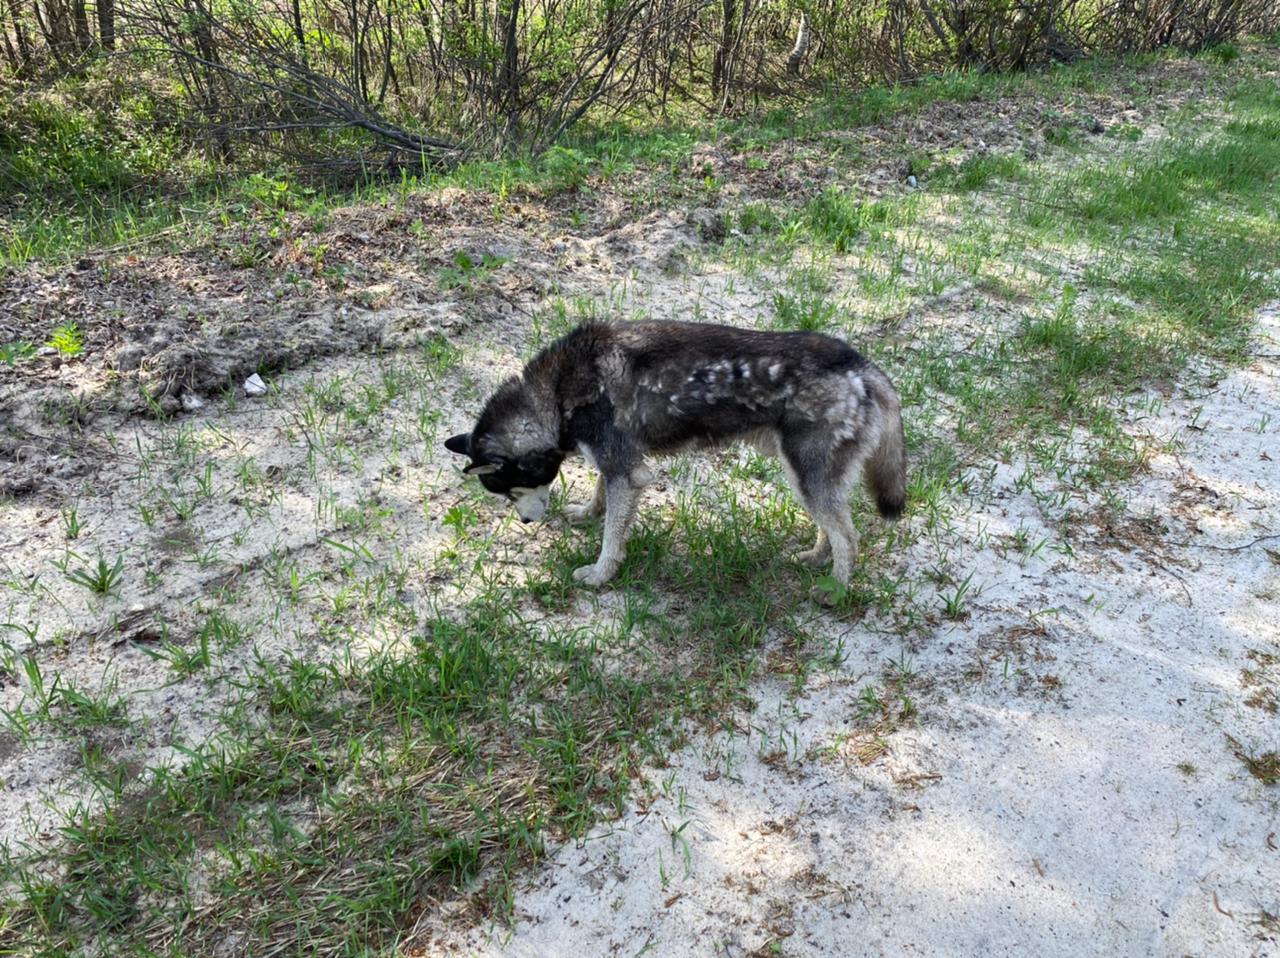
823	487
833	517
588	510
820	554
621	499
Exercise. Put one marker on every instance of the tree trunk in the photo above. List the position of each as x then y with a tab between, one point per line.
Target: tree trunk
20	35
508	22
720	65
10	54
80	17
801	48
107	24
298	33
54	25
207	49
357	51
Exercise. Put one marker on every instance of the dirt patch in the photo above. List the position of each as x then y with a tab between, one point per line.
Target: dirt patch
949	133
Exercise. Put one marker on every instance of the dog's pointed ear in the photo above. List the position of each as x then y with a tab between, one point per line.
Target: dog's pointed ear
481	469
461	444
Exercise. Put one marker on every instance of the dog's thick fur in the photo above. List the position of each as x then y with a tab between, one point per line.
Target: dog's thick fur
618	392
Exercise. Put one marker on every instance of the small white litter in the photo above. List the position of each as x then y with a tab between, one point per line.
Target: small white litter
254	386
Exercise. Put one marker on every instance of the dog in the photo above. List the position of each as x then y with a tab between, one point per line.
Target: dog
621	391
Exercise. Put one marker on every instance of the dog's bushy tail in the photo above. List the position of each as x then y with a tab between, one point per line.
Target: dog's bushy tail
886	468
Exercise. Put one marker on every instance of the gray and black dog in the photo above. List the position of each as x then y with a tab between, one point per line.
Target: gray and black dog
617	392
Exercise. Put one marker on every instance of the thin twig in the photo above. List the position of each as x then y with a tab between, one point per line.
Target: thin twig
1240	548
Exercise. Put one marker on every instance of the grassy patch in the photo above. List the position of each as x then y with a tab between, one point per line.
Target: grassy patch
353	795
1179	246
977	171
1190	227
88	187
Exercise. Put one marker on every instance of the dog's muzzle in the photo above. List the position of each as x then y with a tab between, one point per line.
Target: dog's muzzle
531	504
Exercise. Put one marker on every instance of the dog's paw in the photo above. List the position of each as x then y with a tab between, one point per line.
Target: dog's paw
579	514
828	592
592	575
813	558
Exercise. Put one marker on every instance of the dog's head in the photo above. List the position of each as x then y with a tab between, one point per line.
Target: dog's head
511	452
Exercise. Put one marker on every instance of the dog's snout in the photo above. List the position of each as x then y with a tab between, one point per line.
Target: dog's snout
531	504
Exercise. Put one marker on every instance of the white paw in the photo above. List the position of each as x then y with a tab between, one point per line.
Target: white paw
592	575
828	591
824	595
579	514
813	558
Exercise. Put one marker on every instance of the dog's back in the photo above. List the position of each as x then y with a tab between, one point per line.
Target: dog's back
681	385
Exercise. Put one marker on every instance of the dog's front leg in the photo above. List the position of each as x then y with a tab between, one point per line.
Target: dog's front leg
621	499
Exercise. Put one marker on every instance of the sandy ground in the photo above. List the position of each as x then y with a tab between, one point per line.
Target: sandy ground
1074	784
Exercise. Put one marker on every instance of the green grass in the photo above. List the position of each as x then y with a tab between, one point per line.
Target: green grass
365	788
1204	209
1240	162
101	579
979	170
1180	245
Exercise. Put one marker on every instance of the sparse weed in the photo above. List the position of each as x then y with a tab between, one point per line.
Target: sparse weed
467	272
16	352
835	219
979	170
440	355
1064	134
955	603
71	525
67	340
182	661
807	311
102	579
563	169
460	518
1225	52
60	703
757	218
550	323
204	482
